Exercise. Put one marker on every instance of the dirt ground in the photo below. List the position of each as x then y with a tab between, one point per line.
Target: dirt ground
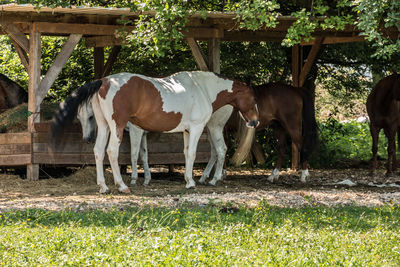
76	189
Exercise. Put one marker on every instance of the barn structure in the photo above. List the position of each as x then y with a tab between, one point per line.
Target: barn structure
25	26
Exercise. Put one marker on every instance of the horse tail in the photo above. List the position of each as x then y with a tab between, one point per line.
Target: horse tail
309	127
246	137
68	109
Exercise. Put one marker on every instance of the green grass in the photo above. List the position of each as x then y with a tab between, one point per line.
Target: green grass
210	235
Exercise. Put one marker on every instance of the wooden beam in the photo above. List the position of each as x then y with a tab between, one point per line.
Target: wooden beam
16	35
98	62
203	33
102	41
336	40
32	170
214	62
85	29
111	60
57	66
295	65
22	55
310	60
198	56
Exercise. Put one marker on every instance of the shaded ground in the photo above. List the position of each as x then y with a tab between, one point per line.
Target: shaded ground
78	190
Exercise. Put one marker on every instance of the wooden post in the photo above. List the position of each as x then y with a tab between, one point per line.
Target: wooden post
98	62
198	55
295	82
111	60
310	60
214	61
32	172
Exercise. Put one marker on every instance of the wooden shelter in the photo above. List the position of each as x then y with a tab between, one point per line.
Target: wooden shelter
97	26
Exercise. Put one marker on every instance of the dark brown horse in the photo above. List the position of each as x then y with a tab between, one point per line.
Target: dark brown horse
383	109
11	93
290	109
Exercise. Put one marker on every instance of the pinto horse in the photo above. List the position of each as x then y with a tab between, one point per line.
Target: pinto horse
11	93
183	102
292	109
383	109
138	140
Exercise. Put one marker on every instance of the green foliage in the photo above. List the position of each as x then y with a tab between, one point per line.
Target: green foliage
258	13
212	235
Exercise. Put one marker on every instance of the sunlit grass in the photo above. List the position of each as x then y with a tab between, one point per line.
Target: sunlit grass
210	235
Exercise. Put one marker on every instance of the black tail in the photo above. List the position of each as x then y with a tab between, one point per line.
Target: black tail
309	127
68	109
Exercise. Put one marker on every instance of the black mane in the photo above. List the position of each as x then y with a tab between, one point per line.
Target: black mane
69	108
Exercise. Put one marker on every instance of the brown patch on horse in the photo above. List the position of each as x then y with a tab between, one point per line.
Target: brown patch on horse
105	86
139	102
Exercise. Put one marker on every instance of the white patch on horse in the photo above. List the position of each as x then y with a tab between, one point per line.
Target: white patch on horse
189	93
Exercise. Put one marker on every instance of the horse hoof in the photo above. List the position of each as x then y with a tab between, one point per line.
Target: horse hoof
389	175
133	183
210	184
303	180
125	191
270	179
106	192
202	181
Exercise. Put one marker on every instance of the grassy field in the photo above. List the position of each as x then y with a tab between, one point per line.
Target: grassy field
209	235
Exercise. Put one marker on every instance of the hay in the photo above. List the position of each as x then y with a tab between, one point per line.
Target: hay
14	120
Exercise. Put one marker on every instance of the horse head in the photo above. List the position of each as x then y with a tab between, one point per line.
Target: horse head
88	122
245	102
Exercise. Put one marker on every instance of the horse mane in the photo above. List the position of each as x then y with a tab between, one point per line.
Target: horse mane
68	109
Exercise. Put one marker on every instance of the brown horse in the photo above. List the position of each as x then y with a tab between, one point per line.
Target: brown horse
383	109
287	108
11	93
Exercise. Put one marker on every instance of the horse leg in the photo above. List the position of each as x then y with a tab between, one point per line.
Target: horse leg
391	149
100	146
191	144
112	151
135	140
375	138
280	135
144	157
211	161
220	148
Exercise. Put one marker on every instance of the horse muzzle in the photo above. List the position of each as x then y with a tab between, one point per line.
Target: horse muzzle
252	123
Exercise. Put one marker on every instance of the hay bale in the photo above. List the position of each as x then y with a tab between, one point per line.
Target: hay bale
14	120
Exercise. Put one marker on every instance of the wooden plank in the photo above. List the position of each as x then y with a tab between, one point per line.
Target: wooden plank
15	160
16	35
98	57
214	62
198	56
310	60
81	159
295	65
15	138
44	127
125	147
103	41
203	33
57	66
22	55
111	60
84	29
337	40
13	149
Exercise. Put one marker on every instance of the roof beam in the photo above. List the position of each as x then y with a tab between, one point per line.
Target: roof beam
310	60
84	29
